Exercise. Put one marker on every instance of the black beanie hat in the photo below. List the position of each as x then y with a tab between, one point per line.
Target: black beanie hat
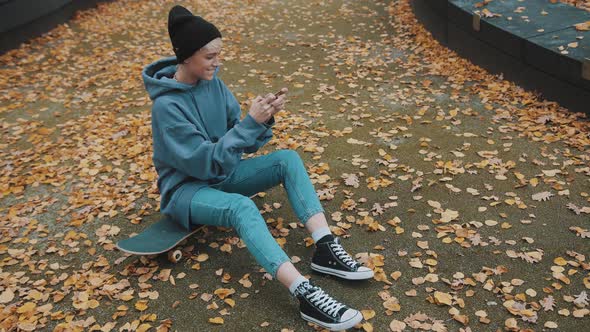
188	32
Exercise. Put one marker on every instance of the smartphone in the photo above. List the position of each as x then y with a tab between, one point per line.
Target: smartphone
280	92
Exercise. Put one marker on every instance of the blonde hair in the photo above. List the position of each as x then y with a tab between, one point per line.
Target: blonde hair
213	45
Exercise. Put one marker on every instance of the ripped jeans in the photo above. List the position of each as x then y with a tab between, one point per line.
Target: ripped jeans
228	202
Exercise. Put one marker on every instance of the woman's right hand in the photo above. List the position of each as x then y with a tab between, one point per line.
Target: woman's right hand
261	109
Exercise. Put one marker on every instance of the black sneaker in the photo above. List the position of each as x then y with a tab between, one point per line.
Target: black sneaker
318	307
330	258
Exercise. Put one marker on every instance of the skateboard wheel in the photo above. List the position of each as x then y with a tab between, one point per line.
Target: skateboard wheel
174	256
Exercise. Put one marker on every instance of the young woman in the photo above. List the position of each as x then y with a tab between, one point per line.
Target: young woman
198	141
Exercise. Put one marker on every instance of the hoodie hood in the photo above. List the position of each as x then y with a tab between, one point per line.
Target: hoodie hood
158	78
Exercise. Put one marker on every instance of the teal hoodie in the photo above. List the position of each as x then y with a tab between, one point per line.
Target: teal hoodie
198	138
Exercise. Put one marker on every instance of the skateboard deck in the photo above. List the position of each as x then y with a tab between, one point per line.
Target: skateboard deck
158	238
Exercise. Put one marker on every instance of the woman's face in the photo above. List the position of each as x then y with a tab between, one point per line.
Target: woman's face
202	64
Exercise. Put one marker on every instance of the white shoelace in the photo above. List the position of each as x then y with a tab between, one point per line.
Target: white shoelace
325	302
343	255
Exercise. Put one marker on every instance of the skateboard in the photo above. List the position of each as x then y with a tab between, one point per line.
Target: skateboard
160	237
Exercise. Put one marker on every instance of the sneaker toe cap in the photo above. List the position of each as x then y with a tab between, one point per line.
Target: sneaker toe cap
350	314
364	269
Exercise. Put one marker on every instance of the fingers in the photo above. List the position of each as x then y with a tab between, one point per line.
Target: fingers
277	106
271	101
269	97
262	100
279	102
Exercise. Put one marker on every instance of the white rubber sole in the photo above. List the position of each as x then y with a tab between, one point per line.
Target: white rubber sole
338	326
346	275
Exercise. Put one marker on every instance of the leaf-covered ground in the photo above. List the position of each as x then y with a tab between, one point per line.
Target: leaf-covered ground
467	195
584	4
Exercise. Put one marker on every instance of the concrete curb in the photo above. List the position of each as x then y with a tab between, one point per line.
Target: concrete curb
22	20
524	49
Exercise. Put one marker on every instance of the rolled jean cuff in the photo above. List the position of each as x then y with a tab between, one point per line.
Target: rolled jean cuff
311	213
283	259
